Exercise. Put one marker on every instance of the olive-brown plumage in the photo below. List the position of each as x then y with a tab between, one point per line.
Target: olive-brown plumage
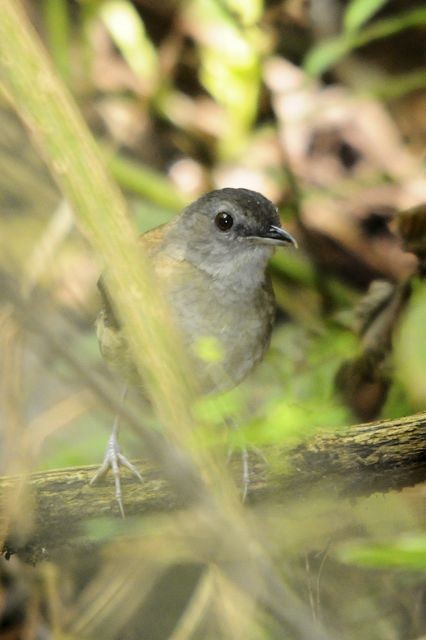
210	262
215	281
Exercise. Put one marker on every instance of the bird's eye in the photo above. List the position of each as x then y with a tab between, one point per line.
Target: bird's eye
224	221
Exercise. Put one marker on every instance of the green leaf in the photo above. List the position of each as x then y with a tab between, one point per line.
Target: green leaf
410	348
326	53
144	181
359	12
57	22
128	33
408	552
230	53
396	86
249	11
388	26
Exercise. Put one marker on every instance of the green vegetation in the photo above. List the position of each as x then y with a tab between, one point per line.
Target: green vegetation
116	114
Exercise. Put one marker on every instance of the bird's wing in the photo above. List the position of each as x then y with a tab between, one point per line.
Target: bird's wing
151	242
109	318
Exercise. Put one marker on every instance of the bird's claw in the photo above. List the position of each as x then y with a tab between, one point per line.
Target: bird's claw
112	460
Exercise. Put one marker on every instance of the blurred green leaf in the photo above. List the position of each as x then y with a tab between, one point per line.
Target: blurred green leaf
408	552
396	86
146	182
220	408
149	215
397	403
57	24
230	63
249	11
290	395
359	12
128	32
296	394
328	52
410	348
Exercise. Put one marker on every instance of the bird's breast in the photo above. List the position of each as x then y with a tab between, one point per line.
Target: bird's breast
237	324
236	320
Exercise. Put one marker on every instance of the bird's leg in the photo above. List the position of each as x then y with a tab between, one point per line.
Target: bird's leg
113	459
246	472
245	461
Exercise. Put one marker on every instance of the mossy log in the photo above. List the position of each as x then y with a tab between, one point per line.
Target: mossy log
359	460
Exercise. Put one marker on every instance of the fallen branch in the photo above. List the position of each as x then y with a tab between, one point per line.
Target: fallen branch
361	460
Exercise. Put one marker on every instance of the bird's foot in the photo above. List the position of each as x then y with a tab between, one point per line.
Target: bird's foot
245	461
112	460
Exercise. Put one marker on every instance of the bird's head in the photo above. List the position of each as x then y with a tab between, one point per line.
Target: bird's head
229	229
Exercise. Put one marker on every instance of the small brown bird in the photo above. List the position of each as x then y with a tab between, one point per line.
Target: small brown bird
211	262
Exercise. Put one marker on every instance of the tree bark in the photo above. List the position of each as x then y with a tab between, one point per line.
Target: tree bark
360	460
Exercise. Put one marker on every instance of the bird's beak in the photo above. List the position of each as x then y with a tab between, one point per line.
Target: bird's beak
277	237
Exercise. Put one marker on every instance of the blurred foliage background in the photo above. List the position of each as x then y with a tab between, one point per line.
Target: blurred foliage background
321	107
